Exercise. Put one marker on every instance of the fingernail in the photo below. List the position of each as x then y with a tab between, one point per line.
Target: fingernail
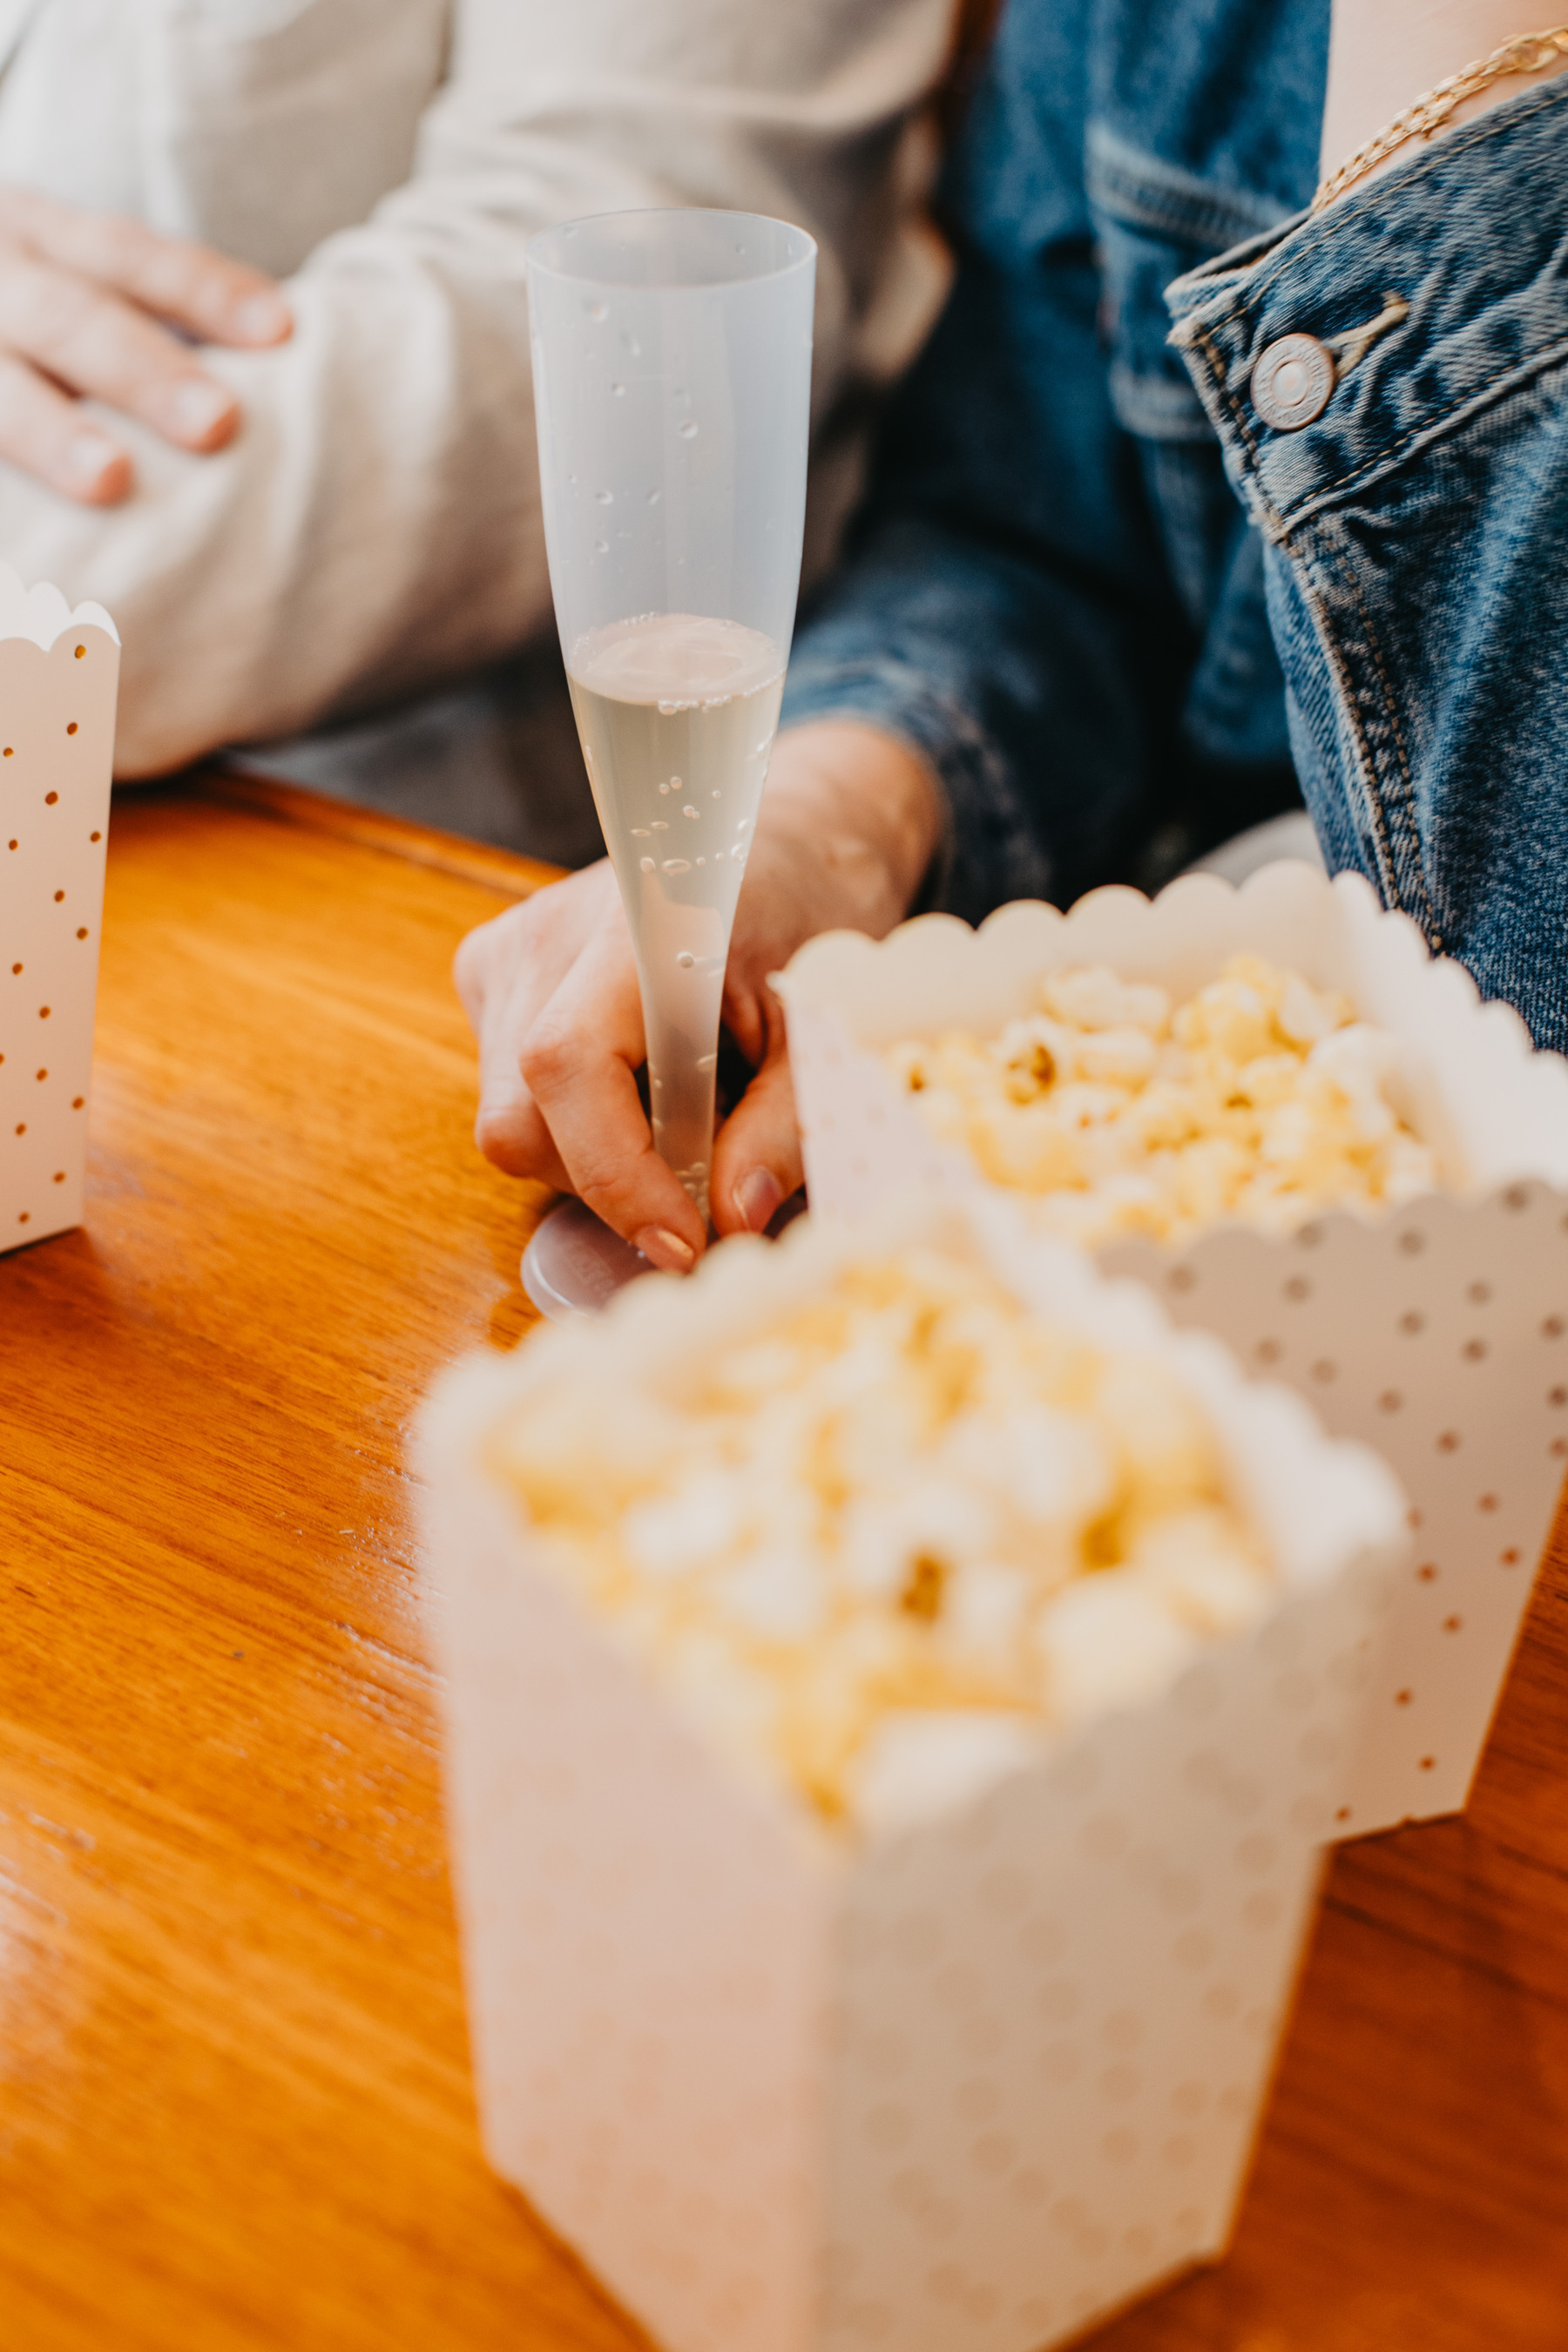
196	407
262	319
89	456
757	1196
664	1249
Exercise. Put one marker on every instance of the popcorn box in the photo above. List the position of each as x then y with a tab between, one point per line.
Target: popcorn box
1439	1332
59	674
966	2085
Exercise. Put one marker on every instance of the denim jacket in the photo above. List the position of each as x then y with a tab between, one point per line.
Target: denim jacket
1117	612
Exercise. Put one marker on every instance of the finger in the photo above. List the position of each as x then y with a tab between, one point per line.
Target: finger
95	344
757	1158
509	1127
525	953
213	297
510	1130
579	1063
505	972
47	436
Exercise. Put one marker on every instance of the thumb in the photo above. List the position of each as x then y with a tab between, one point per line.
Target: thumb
756	1158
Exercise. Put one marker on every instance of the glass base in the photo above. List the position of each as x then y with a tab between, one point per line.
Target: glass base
574	1264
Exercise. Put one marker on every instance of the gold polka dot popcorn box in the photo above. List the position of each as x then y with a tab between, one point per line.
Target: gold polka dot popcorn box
59	674
894	1685
1309	1137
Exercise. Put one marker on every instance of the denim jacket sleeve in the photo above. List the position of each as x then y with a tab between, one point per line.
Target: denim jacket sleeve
1051	593
1414	529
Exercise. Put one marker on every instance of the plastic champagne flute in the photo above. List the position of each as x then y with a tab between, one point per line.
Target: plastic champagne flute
672	389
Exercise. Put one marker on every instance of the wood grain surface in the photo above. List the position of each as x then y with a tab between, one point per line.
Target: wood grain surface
235	2104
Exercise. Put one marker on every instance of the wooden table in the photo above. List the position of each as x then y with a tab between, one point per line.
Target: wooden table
235	2104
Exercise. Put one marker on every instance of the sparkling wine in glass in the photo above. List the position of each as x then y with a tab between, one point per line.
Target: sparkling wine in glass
672	383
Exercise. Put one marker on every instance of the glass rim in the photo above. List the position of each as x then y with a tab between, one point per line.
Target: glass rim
535	256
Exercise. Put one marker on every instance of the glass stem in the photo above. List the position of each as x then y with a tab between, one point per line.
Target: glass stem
681	1026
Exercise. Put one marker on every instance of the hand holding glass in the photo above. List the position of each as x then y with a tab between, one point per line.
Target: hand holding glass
672	389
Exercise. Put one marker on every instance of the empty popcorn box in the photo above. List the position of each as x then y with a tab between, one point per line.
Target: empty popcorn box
1438	1332
965	2085
59	671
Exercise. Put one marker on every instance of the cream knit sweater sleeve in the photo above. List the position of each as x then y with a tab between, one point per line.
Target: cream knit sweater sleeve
374	527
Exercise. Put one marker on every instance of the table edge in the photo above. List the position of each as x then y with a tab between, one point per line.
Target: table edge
371	828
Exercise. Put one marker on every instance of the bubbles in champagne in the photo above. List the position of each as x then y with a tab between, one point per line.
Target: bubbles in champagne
678	703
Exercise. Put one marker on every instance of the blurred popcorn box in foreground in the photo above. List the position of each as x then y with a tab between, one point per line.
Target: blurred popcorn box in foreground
1437	1331
59	674
965	2082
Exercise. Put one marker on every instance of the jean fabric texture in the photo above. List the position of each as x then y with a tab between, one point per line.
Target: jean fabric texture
1118	615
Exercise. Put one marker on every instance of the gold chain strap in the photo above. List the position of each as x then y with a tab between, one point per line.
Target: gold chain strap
1526	55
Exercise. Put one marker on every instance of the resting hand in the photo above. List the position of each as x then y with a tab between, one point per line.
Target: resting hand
848	825
83	299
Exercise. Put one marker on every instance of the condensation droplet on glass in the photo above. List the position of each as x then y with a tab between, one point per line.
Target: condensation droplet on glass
603	498
677	866
639	833
646	864
667	709
716	793
685	961
706	1062
688	430
659	824
765	745
688	812
746	821
597	311
718	853
737	857
702	861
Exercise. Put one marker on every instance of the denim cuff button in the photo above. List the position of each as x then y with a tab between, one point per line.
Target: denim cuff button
1291	381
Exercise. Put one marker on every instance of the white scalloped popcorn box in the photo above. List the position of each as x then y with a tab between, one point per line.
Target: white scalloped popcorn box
1438	1334
59	671
969	2086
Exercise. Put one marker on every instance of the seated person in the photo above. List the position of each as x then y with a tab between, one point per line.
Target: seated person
374	526
1104	588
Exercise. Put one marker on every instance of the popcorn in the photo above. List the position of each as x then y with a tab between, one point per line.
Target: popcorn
1261	1098
898	1538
